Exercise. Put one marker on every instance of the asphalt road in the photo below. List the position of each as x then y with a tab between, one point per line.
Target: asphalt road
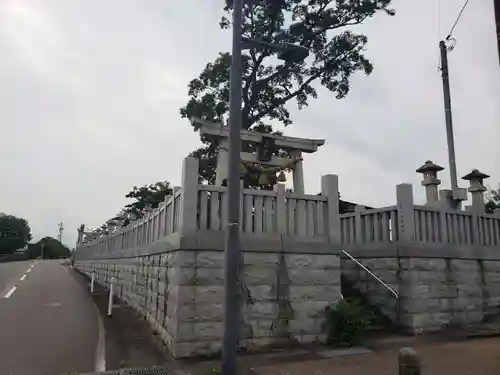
10	273
48	323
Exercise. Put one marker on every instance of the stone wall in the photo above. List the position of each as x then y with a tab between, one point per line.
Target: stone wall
284	295
434	293
376	294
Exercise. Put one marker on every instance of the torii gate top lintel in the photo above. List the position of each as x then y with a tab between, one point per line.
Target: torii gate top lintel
295	147
299	144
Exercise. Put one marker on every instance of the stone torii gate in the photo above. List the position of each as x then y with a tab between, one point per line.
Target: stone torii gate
295	146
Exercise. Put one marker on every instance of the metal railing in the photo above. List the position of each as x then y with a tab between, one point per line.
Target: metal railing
393	292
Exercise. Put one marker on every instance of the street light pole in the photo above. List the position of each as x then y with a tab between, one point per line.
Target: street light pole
287	52
232	240
41	252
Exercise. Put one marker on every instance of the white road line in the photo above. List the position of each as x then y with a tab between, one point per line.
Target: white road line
10	292
29	270
22	278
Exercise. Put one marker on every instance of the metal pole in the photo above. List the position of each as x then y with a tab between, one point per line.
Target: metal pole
447	113
232	241
41	253
92	280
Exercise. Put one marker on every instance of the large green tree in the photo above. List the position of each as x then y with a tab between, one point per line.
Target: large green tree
493	199
15	233
144	196
322	26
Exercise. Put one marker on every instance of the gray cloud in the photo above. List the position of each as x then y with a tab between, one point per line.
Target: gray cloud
91	90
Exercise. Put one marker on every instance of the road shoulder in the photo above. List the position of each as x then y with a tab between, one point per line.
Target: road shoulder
130	341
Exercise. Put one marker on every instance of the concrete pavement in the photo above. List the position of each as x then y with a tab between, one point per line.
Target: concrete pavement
48	322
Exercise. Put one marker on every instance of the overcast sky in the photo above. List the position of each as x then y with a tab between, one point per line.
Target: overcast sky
90	92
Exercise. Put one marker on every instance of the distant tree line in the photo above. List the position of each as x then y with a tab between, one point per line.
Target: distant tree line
15	237
15	233
52	249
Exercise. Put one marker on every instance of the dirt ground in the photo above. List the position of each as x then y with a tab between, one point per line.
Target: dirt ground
473	357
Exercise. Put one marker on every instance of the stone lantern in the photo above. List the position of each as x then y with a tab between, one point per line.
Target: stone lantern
81	233
476	189
430	181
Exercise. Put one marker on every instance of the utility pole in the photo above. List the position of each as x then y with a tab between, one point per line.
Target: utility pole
458	195
447	113
42	245
61	228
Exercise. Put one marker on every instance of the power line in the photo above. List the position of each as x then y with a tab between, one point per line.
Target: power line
458	19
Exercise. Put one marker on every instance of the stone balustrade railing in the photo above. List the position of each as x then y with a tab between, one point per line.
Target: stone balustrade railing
372	226
407	223
196	209
456	227
202	208
264	212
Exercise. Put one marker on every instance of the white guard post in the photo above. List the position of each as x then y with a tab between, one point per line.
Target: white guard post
111	293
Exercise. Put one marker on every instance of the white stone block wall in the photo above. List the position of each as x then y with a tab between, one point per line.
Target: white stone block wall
491	275
437	293
284	296
376	293
434	293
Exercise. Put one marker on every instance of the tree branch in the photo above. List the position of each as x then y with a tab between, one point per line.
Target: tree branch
301	88
283	100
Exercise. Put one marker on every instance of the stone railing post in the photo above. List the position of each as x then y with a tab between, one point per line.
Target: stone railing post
406	218
171	211
330	189
359	232
281	209
446	199
163	225
408	362
189	198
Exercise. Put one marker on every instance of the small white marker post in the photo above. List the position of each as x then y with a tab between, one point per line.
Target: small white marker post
111	292
92	281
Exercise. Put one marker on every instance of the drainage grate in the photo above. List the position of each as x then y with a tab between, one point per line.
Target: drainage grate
134	371
145	371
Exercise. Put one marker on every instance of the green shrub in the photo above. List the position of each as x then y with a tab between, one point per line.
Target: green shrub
347	323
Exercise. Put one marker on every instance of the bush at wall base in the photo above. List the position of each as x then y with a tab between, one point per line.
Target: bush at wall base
346	323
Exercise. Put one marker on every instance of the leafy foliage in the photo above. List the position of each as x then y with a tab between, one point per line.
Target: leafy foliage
52	249
322	26
492	199
347	322
145	196
15	233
